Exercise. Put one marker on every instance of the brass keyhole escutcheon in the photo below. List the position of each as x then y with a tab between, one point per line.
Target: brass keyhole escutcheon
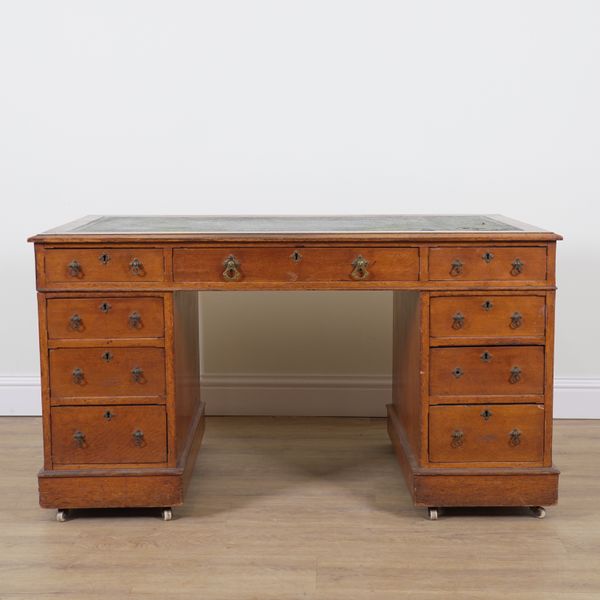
108	415
104	258
488	257
107	356
486	414
105	307
296	256
487	305
486	356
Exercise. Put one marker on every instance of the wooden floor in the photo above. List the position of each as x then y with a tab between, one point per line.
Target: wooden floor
284	508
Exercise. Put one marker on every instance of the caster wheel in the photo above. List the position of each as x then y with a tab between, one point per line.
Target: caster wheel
433	514
62	514
538	511
167	514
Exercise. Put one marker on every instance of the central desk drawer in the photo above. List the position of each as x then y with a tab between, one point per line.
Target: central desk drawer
78	373
98	318
109	434
481	371
487	316
84	265
494	433
290	264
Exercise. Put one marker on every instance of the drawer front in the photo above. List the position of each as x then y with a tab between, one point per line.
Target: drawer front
480	371
238	265
487	264
99	318
117	265
487	316
108	434
97	372
495	433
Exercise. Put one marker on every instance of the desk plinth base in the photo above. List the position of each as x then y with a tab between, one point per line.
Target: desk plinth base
123	488
441	487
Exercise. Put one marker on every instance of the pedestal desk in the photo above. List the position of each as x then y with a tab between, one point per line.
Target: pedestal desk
473	329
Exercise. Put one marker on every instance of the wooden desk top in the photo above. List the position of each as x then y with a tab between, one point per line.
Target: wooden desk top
272	228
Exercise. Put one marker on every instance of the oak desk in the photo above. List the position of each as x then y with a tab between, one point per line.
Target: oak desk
471	412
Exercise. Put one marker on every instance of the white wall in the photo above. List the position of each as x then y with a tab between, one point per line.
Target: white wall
302	107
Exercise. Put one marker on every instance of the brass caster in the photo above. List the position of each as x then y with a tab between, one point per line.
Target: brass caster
62	514
167	514
539	512
433	513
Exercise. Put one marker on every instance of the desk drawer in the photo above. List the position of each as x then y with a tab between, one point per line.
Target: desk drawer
104	318
79	373
481	371
487	264
239	265
78	265
109	434
495	433
487	316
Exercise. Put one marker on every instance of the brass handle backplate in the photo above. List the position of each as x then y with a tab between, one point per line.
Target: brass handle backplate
135	320
360	268
517	267
516	320
458	321
77	376
458	372
515	375
138	437
75	269
136	267
232	269
76	322
137	374
456	267
515	437
79	438
458	437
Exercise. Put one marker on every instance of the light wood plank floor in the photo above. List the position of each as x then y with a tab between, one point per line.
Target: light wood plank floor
284	508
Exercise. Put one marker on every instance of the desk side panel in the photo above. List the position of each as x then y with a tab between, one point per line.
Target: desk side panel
406	370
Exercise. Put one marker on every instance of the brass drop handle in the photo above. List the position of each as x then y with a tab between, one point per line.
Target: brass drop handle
456	267
517	267
516	320
79	438
135	320
77	376
515	437
136	266
458	321
232	269
75	269
458	372
515	375
76	322
138	437
360	268
458	437
137	374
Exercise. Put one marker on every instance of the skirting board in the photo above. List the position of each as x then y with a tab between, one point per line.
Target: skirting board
303	395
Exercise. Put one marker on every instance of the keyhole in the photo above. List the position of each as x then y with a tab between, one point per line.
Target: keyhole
104	258
105	307
108	415
296	256
487	305
107	356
